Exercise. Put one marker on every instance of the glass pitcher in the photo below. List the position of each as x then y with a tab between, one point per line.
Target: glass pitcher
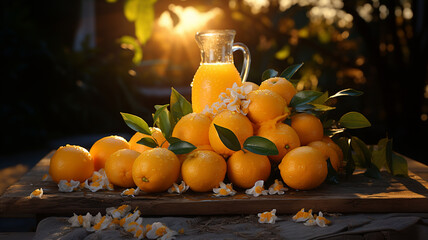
217	71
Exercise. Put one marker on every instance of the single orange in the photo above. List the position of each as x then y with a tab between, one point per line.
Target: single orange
244	169
265	105
193	128
281	86
333	145
118	167
283	136
203	170
308	127
254	86
303	168
71	163
235	122
155	170
328	152
103	148
156	134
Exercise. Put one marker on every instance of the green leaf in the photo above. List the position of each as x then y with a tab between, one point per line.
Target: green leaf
228	138
133	45
131	9
321	99
347	92
149	142
136	123
345	144
144	21
372	171
161	120
399	166
379	154
354	120
181	147
179	106
303	97
362	153
269	73
332	176
290	71
321	107
173	140
260	145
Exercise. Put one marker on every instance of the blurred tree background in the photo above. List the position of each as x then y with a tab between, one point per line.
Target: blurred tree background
70	67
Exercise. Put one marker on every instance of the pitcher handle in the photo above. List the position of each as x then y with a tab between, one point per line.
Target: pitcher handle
247	59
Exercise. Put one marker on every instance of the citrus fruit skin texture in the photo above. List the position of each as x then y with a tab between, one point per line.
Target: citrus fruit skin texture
203	170
104	147
193	128
328	153
235	122
281	86
308	127
156	134
282	135
71	162
244	169
254	86
303	168
333	145
118	167
265	105
155	170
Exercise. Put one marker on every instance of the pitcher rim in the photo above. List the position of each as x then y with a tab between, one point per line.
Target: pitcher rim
216	32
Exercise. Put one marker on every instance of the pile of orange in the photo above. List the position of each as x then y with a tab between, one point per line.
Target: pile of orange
303	149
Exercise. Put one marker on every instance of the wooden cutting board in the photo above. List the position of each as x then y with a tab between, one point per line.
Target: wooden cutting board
355	195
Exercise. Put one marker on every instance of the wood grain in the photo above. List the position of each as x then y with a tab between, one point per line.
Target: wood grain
355	195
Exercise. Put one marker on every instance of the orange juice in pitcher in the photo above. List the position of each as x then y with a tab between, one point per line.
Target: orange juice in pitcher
217	71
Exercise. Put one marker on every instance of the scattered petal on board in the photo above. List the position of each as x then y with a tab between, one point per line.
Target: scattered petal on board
38	193
119	212
322	221
257	190
175	188
302	216
277	188
224	190
268	217
81	221
66	186
130	192
45	177
160	231
102	223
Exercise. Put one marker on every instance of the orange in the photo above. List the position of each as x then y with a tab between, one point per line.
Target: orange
308	127
303	168
244	169
235	122
328	152
283	136
193	128
155	170
254	86
118	167
333	145
203	170
71	163
265	105
156	134
103	148
281	86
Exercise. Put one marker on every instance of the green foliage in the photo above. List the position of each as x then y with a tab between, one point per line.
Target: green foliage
290	71
136	123
255	144
269	73
165	120
354	120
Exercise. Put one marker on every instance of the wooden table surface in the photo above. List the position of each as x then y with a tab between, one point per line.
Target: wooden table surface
357	194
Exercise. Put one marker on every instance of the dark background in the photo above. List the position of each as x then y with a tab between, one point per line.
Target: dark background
51	93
